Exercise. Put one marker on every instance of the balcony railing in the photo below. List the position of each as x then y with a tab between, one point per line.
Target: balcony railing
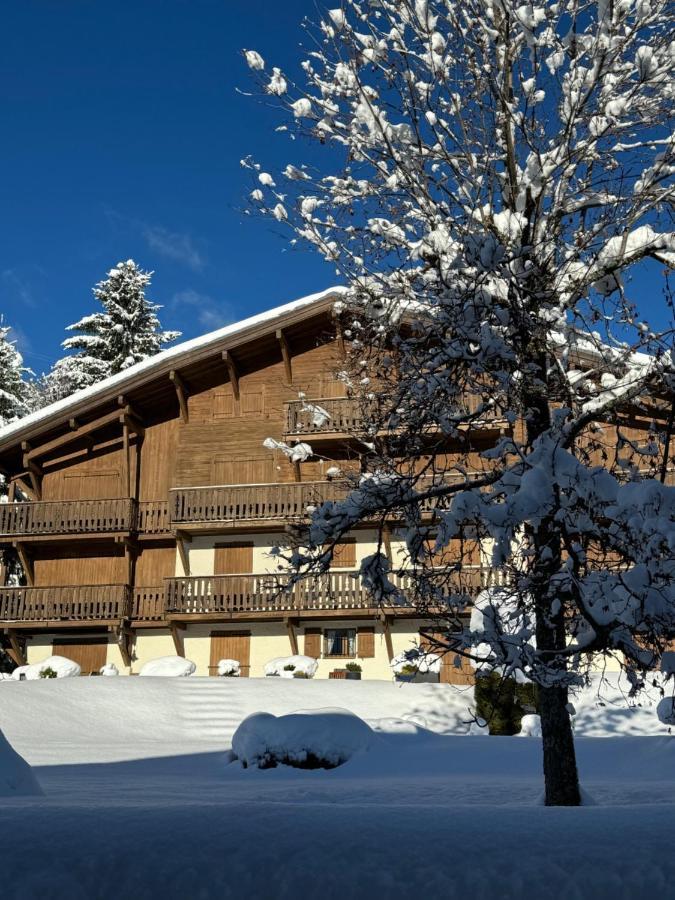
341	416
66	517
76	603
247	502
338	590
148	603
345	415
152	517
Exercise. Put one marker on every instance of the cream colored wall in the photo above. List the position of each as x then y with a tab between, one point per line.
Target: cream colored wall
151	643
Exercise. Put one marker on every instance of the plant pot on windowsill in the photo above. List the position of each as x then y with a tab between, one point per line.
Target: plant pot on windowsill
353	672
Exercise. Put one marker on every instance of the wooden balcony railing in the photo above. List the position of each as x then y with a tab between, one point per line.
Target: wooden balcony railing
344	415
246	502
341	415
337	590
152	517
67	517
76	603
148	603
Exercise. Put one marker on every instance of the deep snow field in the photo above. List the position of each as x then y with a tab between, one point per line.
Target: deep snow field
141	799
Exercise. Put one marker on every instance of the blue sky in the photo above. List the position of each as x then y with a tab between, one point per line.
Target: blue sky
122	135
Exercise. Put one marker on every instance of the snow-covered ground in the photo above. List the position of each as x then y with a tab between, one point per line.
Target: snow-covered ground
140	798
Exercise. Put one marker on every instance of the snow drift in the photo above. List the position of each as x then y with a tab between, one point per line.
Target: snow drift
64	668
16	776
169	667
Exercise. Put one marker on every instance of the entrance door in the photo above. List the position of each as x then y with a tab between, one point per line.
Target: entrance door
231	645
455	669
89	653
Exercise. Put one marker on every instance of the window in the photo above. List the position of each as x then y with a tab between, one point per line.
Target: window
339	642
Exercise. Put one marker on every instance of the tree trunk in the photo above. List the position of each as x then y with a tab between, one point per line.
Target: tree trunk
561	778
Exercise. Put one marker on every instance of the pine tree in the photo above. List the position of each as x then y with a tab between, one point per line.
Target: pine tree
126	332
12	385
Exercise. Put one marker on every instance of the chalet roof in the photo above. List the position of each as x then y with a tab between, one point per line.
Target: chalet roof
166	361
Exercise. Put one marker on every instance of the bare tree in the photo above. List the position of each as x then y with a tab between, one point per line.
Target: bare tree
493	171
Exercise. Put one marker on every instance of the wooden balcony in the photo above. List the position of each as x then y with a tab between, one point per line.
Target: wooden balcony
213	595
58	517
60	605
148	604
152	517
249	502
340	417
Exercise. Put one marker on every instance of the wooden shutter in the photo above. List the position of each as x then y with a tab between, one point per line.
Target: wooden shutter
90	654
231	645
313	642
103	485
365	642
344	555
252	403
455	669
234	558
223	403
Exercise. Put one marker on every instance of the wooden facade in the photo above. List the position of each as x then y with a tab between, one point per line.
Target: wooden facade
119	489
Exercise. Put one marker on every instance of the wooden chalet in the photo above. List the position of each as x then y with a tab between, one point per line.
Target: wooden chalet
143	511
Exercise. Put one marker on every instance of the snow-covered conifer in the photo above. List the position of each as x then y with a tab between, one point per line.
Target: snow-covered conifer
12	383
126	332
507	165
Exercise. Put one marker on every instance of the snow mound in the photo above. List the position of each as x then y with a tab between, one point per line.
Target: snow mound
305	664
169	667
530	726
64	668
230	667
109	670
666	711
16	776
321	738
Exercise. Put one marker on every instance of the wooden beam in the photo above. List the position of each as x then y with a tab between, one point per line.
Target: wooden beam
182	394
35	476
387	636
126	460
297	471
182	540
292	636
16	650
386	538
178	640
285	355
124	641
232	372
11	491
64	439
25	487
26	563
134	425
340	338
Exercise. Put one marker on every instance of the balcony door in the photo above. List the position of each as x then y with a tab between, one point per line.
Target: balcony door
231	645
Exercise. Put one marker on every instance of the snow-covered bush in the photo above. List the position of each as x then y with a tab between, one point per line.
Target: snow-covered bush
64	668
280	665
169	667
312	739
109	670
530	726
229	668
47	672
416	660
666	711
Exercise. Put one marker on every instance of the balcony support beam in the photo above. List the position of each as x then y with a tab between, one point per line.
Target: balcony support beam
125	637
385	619
232	372
292	635
16	647
386	538
182	540
177	629
182	393
26	563
285	355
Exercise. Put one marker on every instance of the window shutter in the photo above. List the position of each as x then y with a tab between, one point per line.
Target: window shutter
313	642
344	555
366	642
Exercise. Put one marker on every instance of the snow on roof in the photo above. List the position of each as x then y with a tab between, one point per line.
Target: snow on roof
158	361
